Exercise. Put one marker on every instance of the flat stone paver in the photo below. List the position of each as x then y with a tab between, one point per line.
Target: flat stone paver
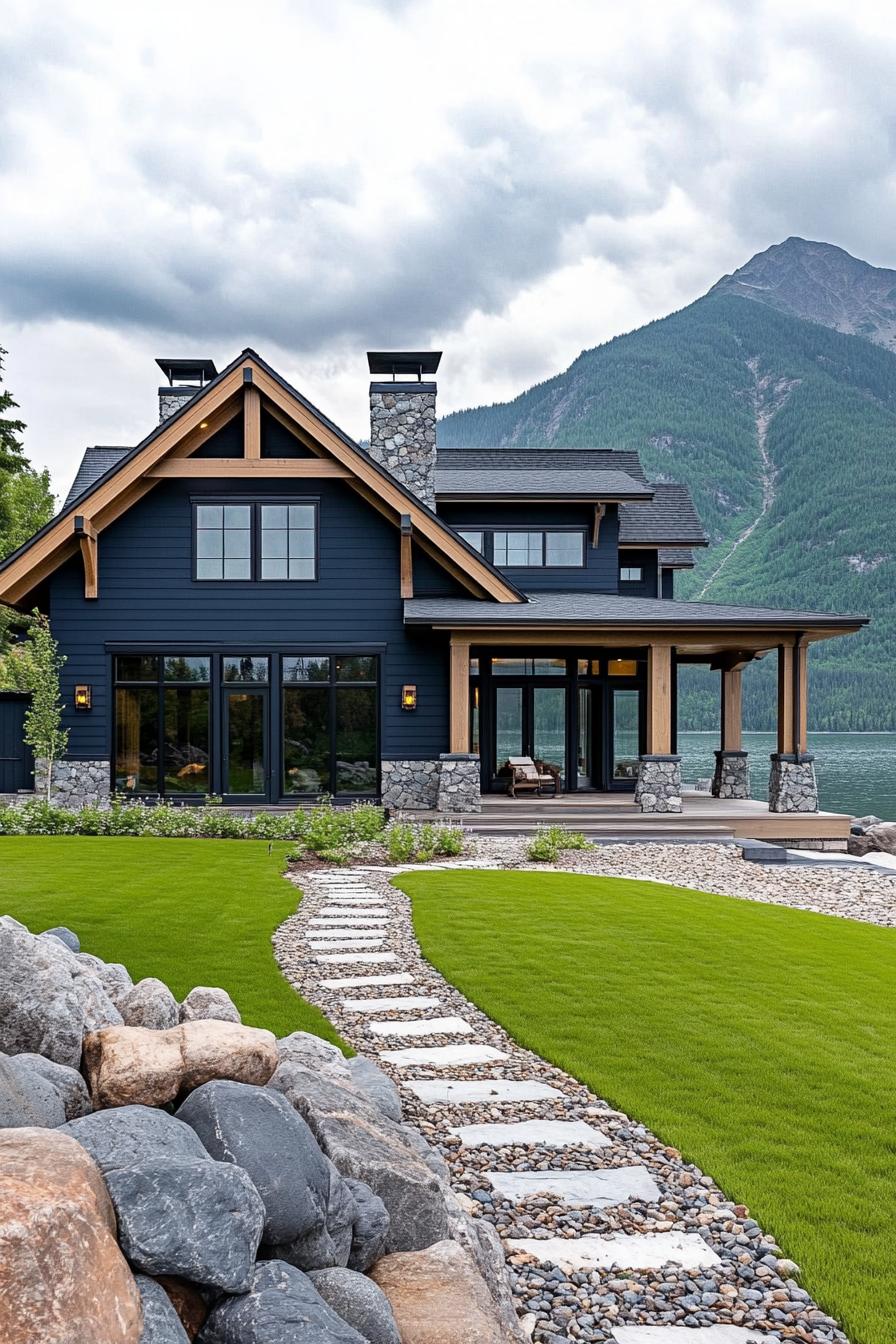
355	981
621	1250
476	1091
369	957
539	1133
347	917
442	1056
596	1189
400	1004
677	1334
424	1026
353	935
335	943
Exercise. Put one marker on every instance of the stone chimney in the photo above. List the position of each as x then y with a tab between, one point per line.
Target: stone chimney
185	377
403	418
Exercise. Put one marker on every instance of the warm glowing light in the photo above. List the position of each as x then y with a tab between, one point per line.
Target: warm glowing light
83	697
409	697
203	424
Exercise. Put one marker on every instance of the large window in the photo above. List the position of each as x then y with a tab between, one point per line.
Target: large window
553	549
162	724
246	541
330	724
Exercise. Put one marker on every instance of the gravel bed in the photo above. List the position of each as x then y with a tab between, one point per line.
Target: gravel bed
754	1285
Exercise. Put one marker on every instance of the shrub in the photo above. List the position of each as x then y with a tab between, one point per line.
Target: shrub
327	829
549	841
368	821
449	840
400	842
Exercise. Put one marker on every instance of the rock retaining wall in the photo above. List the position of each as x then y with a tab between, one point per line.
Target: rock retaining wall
459	783
410	784
792	786
658	788
75	783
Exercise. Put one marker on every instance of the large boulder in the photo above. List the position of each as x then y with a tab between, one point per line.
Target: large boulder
313	1052
366	1146
68	1083
258	1130
480	1240
329	1241
65	936
376	1085
282	1306
438	1297
882	836
140	1066
128	1135
200	1220
62	1276
359	1302
48	997
26	1098
370	1229
161	1323
205	1002
149	1003
112	975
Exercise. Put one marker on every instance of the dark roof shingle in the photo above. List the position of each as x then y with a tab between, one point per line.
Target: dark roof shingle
538	483
669	519
94	464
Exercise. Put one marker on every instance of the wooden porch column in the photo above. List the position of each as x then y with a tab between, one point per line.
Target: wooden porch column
732	718
786	664
459	666
801	696
659	699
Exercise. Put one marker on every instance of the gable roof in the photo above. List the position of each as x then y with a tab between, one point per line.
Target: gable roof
669	519
128	477
94	464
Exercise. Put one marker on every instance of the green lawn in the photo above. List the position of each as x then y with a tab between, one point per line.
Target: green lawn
759	1040
192	912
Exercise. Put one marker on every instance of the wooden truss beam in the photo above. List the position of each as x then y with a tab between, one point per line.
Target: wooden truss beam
459	665
207	467
88	546
600	511
251	421
407	556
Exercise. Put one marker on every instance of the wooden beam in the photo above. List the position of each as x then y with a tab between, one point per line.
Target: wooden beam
207	428
801	696
205	467
87	543
599	514
251	422
459	665
732	714
407	557
659	699
785	697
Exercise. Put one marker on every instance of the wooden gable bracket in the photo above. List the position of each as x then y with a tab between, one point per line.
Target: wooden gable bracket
251	418
407	556
600	511
89	548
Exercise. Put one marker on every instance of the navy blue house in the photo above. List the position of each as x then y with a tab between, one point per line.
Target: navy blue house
251	604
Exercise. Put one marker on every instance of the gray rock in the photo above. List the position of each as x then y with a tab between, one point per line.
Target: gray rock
150	1003
883	837
368	1147
329	1241
376	1085
201	1220
204	1002
282	1306
48	997
865	822
359	1302
370	1230
71	940
481	1241
127	1135
302	1047
257	1129
67	1082
161	1323
26	1098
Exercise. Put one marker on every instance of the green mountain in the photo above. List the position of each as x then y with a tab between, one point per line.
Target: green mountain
785	432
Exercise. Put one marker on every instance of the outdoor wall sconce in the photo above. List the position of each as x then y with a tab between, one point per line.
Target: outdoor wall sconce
409	697
83	697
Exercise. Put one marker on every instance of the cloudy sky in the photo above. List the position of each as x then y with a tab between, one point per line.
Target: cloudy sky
507	180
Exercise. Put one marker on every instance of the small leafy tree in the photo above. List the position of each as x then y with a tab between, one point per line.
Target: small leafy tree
44	732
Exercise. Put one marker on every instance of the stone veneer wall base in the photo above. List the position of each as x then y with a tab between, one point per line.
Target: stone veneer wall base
658	788
731	778
459	789
75	783
792	786
410	784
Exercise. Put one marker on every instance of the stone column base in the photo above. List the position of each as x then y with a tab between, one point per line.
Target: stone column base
409	785
75	783
459	789
791	783
732	775
659	784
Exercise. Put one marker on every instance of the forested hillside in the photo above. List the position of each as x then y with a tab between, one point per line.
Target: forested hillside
770	419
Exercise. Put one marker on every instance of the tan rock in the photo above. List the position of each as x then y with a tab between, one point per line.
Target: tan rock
438	1297
62	1276
133	1066
216	1049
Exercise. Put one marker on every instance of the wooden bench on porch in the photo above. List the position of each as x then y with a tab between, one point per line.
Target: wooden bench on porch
528	774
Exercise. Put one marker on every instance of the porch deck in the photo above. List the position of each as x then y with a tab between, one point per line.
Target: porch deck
611	815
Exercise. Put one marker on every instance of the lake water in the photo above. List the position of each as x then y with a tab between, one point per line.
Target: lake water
856	772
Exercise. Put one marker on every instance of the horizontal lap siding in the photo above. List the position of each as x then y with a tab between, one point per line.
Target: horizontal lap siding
600	571
147	594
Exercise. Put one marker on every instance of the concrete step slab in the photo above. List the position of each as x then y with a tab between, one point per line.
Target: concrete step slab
356	981
544	1133
442	1056
334	943
400	1004
595	1189
682	1334
621	1250
356	935
423	1026
353	912
359	957
479	1091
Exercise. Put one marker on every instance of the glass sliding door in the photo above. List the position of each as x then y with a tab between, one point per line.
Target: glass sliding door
245	743
355	739
306	739
508	724
626	736
330	724
586	776
548	725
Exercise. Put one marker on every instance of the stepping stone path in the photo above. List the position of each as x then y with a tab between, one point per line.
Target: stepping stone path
610	1236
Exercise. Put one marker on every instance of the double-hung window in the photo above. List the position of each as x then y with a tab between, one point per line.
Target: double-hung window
255	540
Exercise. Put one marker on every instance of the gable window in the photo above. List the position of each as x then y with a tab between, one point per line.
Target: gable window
539	550
245	541
630	574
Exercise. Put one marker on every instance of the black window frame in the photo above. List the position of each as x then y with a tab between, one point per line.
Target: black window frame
255	504
160	683
625	573
331	686
489	534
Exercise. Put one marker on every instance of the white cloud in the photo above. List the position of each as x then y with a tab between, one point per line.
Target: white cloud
510	181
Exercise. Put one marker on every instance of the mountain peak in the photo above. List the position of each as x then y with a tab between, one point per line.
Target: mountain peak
823	283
